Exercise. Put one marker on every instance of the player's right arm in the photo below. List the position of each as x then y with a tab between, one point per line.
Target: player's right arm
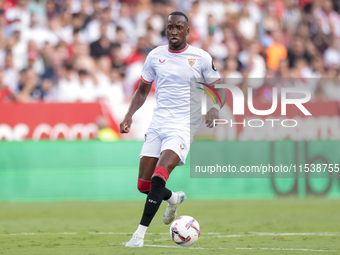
138	100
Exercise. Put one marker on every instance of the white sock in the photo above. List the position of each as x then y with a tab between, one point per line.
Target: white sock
141	230
173	199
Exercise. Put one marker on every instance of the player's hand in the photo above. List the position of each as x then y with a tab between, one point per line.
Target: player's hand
125	125
211	115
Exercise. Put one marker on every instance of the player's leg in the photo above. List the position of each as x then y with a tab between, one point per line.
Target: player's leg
178	142
147	166
149	157
167	162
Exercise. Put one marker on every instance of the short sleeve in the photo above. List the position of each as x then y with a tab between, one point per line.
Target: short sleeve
208	68
148	73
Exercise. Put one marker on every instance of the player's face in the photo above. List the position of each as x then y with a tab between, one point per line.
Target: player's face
176	32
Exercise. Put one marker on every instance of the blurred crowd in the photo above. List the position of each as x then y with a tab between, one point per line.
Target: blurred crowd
83	51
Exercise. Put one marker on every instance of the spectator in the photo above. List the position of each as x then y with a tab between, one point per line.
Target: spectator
271	21
79	34
65	31
11	75
125	46
5	93
18	49
68	85
253	64
332	54
102	46
94	28
29	81
102	75
254	10
38	7
31	59
298	50
320	39
216	49
276	51
114	91
87	92
126	22
21	13
283	71
105	133
52	42
233	52
232	75
199	19
231	7
54	64
34	59
292	16
329	19
246	25
331	85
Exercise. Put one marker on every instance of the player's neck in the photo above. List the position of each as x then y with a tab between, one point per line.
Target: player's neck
179	49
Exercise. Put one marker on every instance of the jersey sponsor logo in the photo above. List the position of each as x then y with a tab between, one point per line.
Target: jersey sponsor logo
181	146
161	61
192	61
213	66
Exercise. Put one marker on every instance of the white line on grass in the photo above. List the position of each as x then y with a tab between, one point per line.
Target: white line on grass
228	236
123	233
253	234
176	247
31	234
75	233
293	234
163	239
158	239
211	235
283	249
200	248
131	233
218	235
237	248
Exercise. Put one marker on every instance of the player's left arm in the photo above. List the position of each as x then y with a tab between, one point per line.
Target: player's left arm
214	111
209	71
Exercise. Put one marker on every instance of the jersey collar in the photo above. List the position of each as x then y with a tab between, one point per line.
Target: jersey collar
178	51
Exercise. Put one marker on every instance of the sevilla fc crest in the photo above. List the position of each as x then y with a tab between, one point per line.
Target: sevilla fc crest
192	61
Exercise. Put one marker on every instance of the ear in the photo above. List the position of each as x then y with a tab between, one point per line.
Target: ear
188	31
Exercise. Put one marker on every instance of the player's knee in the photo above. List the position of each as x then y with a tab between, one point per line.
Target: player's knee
143	186
161	172
169	160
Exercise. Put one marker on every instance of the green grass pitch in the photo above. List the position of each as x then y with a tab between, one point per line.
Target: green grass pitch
281	226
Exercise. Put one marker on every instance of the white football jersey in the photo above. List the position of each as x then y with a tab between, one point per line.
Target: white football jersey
172	71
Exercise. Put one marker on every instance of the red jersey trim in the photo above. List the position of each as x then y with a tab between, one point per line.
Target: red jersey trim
179	51
148	82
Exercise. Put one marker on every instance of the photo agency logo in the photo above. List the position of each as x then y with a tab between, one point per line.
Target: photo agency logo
239	104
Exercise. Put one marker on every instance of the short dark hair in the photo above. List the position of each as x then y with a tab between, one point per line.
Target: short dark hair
83	72
181	14
68	66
